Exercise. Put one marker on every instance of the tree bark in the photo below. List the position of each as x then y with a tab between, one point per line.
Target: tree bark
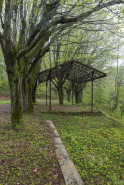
30	102
68	92
61	95
15	81
80	97
34	93
76	97
16	101
25	96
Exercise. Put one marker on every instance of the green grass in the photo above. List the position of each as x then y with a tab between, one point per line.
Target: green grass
4	102
116	115
96	146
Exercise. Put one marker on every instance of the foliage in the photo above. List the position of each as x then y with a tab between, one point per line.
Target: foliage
4	86
41	91
95	144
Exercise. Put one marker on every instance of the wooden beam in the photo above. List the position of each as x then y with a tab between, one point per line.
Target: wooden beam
72	92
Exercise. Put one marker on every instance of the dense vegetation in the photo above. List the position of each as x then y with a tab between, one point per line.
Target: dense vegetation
95	144
4	86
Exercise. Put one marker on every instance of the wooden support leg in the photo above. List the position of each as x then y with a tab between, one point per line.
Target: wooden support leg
92	94
50	95
72	92
46	92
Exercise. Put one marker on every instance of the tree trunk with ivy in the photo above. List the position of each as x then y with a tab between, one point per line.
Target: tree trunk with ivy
30	102
27	89
15	82
34	92
25	95
15	76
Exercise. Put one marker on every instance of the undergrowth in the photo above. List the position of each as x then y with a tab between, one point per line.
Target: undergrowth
95	144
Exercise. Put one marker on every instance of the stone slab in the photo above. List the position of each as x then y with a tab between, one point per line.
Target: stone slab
68	168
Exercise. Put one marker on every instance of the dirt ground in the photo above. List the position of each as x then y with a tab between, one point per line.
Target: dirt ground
4	97
6	108
5	116
65	108
43	108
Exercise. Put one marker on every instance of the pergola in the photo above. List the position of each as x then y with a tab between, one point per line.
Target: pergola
75	72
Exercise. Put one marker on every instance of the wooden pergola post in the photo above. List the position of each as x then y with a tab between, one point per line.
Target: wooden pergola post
72	92
46	92
50	92
92	93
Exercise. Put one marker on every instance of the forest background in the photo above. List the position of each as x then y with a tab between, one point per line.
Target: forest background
38	35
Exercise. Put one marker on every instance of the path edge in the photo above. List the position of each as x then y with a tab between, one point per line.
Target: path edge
70	173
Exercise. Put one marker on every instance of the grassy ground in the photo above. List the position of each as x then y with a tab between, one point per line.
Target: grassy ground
95	145
28	157
115	114
4	102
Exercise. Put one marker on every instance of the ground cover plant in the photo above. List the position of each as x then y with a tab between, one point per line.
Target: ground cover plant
95	144
28	157
4	102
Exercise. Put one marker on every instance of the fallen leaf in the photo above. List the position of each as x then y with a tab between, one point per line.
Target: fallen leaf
35	170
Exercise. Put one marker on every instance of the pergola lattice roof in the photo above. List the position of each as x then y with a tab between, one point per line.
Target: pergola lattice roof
74	71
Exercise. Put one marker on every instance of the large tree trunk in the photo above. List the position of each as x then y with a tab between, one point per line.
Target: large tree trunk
76	97
30	102
16	101
68	92
80	97
61	95
34	93
15	81
25	96
56	95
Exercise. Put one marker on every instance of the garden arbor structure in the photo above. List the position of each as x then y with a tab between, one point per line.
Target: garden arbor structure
75	72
